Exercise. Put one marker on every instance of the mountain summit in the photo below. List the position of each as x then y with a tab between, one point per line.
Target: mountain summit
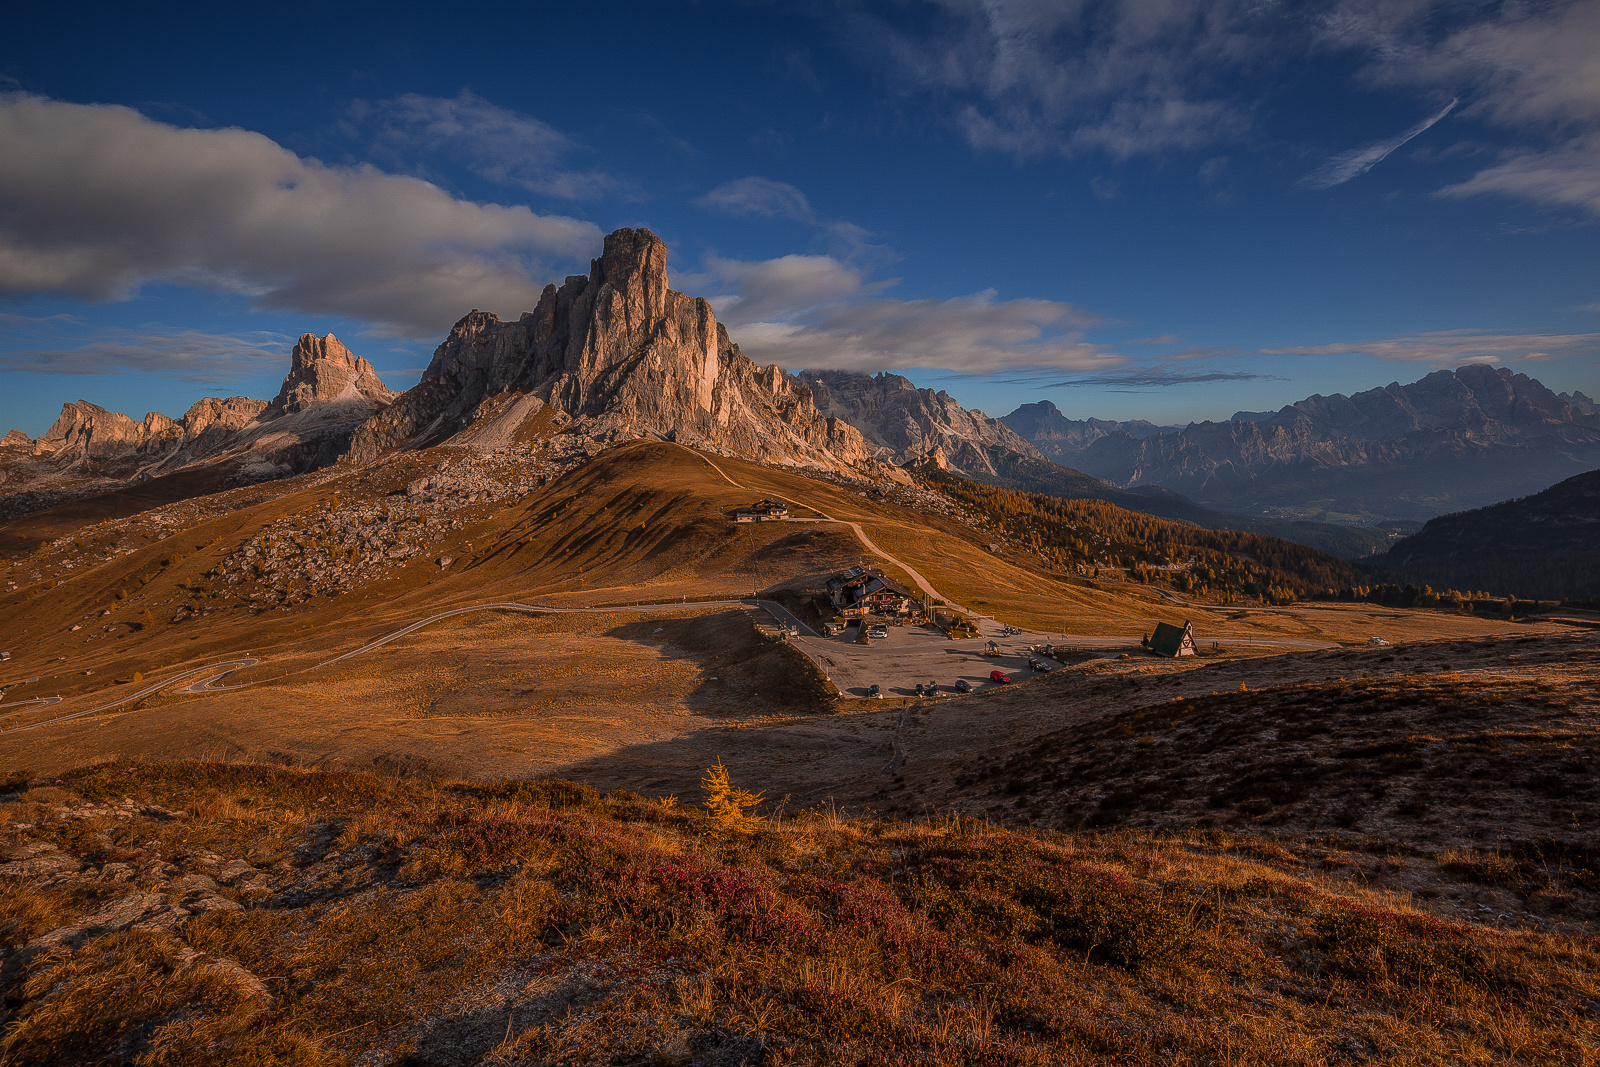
321	370
611	355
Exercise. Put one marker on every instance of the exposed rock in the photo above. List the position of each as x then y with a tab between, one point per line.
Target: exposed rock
609	356
328	392
16	439
321	371
917	425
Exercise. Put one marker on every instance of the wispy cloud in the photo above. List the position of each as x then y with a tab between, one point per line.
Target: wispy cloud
1122	78
1455	347
815	311
1530	69
759	197
98	200
1568	175
503	146
1142	379
185	354
1356	162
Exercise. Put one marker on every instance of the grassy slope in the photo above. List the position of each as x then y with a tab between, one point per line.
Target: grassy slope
446	922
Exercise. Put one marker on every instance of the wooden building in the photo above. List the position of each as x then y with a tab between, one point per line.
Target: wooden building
1172	641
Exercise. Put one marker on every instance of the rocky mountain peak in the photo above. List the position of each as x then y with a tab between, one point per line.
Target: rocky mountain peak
321	369
633	258
16	439
616	354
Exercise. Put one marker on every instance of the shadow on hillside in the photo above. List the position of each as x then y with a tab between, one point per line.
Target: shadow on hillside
742	675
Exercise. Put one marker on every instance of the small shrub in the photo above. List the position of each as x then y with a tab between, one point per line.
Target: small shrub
15	782
1484	868
727	805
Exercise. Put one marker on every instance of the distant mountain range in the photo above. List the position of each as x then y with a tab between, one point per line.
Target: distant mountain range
1543	546
1450	440
911	426
328	392
616	354
609	356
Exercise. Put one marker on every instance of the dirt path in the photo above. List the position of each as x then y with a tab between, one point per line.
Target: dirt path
861	535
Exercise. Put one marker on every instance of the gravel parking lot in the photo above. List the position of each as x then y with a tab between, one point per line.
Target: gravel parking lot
910	655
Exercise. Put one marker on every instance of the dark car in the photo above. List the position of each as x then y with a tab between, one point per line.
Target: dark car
874	692
963	686
999	676
1039	665
933	689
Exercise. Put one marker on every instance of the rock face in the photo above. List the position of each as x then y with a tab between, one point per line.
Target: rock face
611	355
1453	439
917	425
323	371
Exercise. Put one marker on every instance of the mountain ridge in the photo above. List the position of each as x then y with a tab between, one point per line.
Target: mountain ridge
1544	546
1467	437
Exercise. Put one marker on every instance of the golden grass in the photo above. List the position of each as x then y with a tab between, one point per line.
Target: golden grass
544	922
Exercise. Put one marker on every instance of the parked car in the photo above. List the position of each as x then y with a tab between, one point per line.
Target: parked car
880	631
933	689
919	689
1039	665
874	692
963	686
999	676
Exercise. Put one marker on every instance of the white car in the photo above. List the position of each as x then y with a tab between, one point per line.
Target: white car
878	632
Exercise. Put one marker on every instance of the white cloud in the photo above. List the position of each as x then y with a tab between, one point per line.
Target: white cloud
1456	347
1125	78
1568	175
98	200
1356	162
503	146
762	197
813	311
778	288
186	354
1532	69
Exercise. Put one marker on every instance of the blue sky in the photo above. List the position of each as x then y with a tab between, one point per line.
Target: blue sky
1137	210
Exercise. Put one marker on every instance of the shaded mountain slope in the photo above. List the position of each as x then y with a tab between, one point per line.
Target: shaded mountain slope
1543	546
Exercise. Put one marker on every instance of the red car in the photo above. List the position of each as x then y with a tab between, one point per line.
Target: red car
999	676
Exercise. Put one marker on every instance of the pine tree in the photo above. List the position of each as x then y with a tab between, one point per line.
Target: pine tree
727	805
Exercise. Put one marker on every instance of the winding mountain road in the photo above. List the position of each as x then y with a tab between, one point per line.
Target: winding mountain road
861	535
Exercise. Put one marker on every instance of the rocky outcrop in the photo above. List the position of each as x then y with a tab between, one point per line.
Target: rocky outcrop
1060	438
611	355
328	392
914	425
1454	439
16	439
323	371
